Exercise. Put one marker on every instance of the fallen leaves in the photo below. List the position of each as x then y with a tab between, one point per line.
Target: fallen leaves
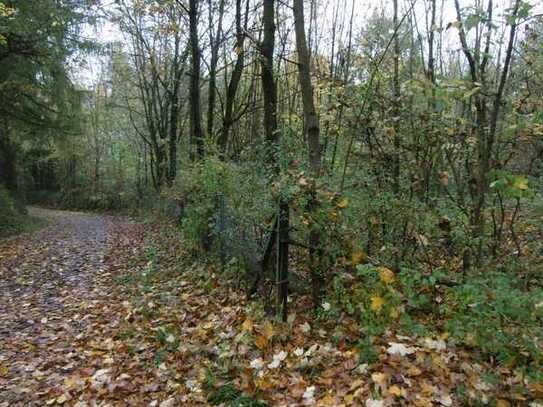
101	377
343	203
357	257
309	395
377	303
56	303
305	327
438	345
278	358
267	330
386	275
400	349
247	325
257	364
155	340
261	342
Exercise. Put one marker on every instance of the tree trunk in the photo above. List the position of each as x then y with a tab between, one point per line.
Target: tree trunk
486	128
195	112
215	42
396	105
312	128
269	90
234	80
269	87
174	113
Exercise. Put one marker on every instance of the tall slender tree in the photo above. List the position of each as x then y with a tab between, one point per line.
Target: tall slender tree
312	128
195	103
215	41
235	78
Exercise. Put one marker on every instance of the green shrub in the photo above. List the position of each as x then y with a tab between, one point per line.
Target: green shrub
491	311
226	211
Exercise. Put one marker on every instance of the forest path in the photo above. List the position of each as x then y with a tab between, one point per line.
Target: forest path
56	293
94	315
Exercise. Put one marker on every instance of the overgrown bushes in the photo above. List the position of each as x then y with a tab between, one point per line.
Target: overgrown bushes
226	209
491	311
390	263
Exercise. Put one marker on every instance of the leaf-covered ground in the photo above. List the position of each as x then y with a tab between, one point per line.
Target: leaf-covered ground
59	303
101	311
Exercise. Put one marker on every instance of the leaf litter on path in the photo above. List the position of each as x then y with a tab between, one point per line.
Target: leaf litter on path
86	319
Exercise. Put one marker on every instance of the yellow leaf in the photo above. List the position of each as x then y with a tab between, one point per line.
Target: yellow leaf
356	384
391	131
343	203
327	400
62	399
379	378
395	390
414	371
502	403
357	257
71	382
247	325
387	275
439	362
426	389
263	383
521	183
377	303
455	24
444	178
4	370
268	330
261	342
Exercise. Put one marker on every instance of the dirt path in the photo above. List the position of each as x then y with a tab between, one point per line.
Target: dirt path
88	318
55	286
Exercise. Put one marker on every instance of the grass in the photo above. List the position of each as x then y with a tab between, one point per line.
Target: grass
13	217
20	224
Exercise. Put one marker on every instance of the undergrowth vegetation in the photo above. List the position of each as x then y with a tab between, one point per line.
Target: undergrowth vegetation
496	310
465	342
14	218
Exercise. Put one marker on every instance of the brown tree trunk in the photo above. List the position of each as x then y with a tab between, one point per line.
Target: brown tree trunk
312	128
215	42
269	90
234	80
269	87
311	121
195	112
396	105
485	127
174	113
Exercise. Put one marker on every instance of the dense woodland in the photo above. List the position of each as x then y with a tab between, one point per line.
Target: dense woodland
376	163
